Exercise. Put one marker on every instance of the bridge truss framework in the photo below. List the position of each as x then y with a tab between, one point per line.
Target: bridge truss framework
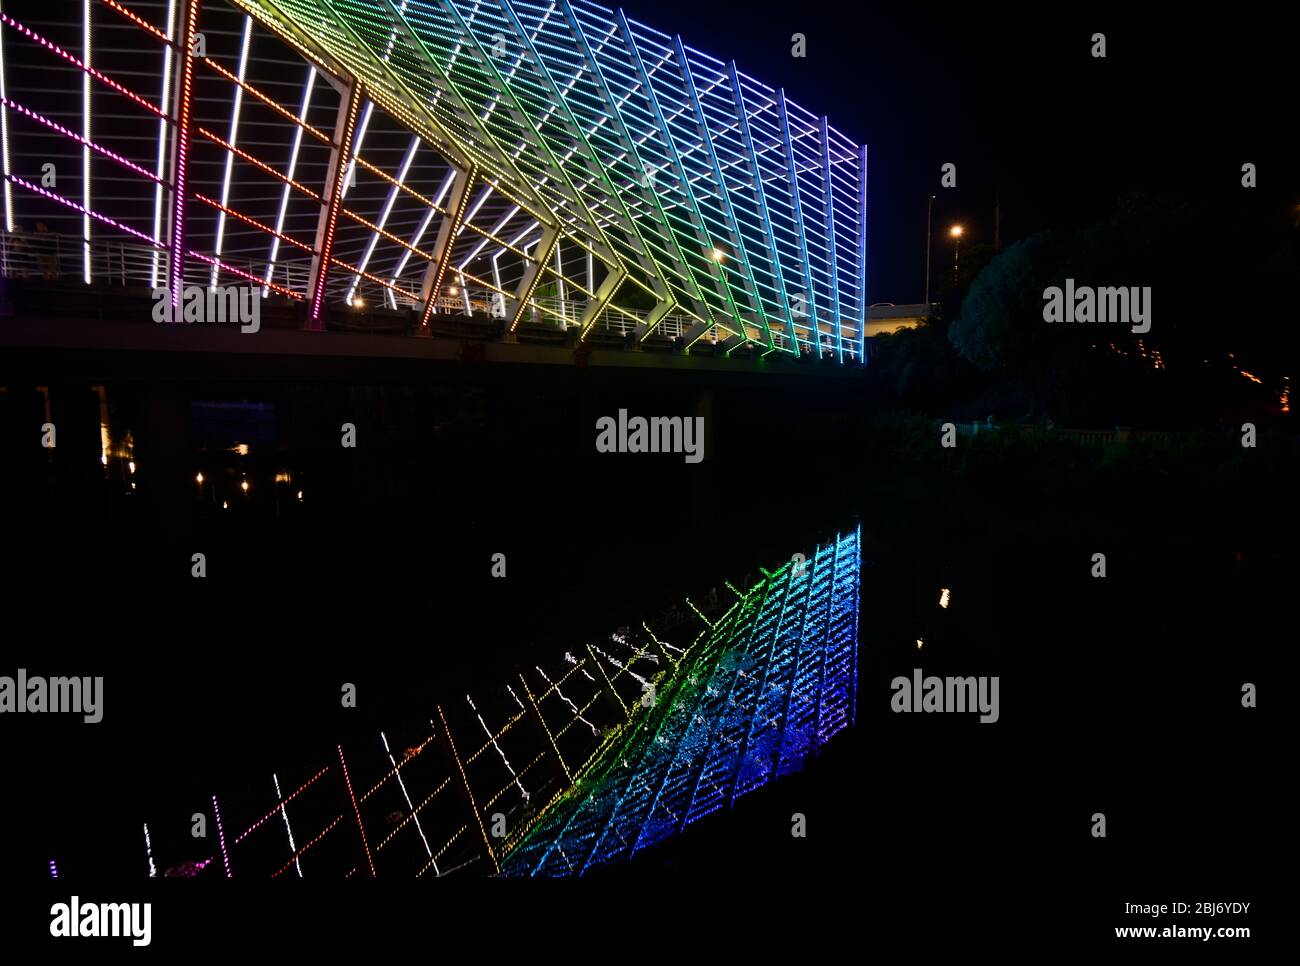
540	163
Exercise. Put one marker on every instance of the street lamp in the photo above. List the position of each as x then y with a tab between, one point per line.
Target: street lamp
929	225
955	232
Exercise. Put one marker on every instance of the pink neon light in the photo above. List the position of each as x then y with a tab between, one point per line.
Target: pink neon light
221	836
78	208
103	78
80	140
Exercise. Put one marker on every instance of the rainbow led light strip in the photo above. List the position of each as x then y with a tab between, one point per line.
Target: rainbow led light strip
768	679
772	681
679	174
638	158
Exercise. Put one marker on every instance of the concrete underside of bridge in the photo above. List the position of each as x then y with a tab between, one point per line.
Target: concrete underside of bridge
33	347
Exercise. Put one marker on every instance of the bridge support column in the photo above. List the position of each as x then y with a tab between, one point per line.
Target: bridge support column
697	332
178	163
457	202
603	294
336	174
612	700
449	747
552	750
656	316
532	275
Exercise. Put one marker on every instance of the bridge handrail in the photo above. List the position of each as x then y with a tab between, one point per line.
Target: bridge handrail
58	256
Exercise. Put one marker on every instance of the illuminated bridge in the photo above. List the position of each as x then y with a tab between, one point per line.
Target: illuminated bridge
575	763
504	170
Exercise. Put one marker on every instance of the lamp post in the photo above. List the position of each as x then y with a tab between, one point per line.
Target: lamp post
929	225
956	231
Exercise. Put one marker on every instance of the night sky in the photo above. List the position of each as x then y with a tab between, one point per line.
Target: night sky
1015	99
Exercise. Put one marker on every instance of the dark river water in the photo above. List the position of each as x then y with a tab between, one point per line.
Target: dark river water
1118	694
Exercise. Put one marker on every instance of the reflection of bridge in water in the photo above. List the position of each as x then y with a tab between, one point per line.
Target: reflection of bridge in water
493	170
586	761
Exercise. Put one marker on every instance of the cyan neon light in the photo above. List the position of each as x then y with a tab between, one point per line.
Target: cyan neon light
752	157
730	224
830	236
862	259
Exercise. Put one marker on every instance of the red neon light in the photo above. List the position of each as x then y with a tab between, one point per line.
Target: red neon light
371	278
299	853
183	155
361	828
284	801
139	21
397	184
243	274
252	222
244	155
445	260
254	92
387	234
332	215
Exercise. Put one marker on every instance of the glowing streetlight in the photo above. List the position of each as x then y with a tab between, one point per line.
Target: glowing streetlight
717	255
955	232
198	478
244	486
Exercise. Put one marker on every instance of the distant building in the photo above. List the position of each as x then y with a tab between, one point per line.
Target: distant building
886	317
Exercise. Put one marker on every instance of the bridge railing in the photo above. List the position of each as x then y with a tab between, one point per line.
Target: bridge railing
51	256
58	257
